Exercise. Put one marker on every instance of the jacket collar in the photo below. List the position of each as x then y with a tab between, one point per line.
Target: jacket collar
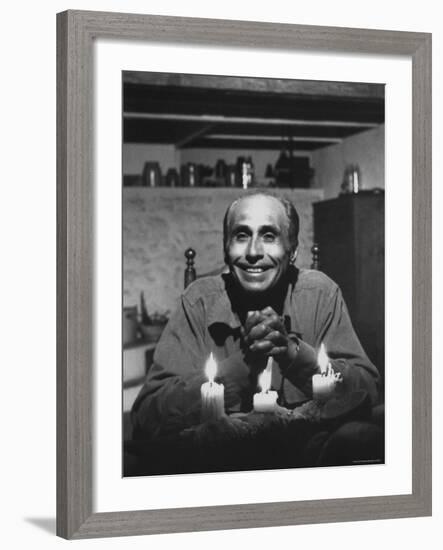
222	311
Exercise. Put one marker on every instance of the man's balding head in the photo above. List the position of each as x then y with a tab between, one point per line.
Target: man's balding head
260	238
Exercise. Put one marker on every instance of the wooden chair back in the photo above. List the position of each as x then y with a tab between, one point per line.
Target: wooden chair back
191	274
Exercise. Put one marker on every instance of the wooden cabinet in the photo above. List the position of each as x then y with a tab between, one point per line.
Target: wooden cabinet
350	233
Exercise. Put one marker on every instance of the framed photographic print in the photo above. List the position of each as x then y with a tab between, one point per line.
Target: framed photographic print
193	144
238	410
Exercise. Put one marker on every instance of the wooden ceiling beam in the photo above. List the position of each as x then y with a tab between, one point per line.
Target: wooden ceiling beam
282	139
227	103
249	120
265	85
249	145
193	135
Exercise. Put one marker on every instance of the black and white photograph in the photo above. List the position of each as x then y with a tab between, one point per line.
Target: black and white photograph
222	275
253	299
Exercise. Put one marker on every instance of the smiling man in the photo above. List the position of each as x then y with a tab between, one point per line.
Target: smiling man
258	243
263	307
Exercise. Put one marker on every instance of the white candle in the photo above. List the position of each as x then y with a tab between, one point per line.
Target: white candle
323	387
323	384
212	394
266	400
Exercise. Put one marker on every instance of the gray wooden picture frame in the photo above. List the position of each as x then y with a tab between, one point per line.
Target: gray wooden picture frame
76	32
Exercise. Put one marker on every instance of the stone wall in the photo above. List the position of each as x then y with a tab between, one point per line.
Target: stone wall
160	224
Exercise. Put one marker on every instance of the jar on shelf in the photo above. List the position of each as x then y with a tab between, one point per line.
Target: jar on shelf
172	178
152	176
190	176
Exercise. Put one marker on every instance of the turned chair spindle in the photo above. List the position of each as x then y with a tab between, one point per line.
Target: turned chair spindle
190	274
315	256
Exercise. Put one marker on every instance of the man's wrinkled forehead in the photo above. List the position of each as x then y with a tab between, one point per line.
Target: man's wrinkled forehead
258	210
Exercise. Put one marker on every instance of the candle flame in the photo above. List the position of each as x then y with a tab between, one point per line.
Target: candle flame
323	359
211	368
265	380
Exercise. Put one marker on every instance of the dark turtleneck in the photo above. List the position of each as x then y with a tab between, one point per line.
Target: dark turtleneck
274	298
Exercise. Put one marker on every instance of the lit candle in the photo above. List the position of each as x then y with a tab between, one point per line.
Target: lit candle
212	394
266	400
323	384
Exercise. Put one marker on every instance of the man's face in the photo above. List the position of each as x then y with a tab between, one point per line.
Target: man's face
258	249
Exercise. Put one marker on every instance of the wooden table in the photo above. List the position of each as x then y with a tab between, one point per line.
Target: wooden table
267	442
